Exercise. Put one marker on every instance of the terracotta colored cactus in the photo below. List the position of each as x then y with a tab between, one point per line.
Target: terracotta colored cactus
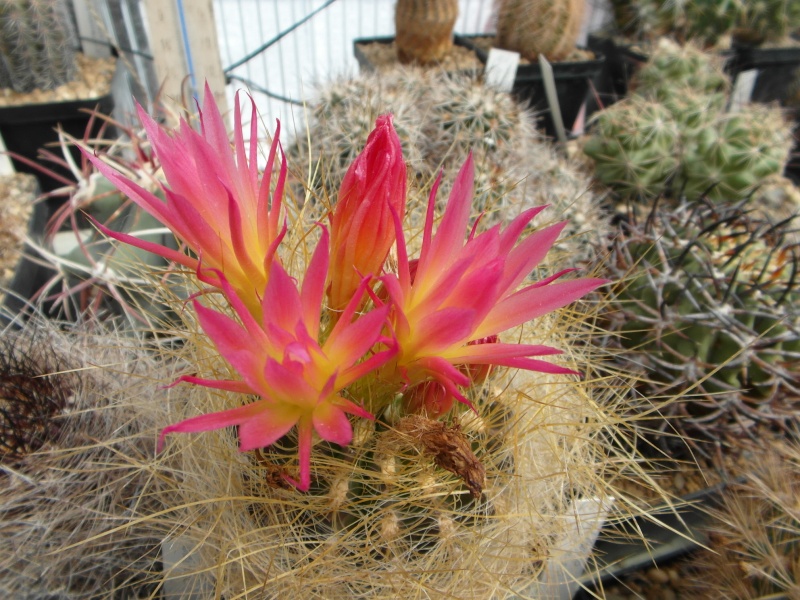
533	27
424	29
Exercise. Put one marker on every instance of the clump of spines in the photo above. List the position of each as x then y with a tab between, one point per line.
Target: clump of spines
69	509
766	21
754	533
706	305
37	45
534	27
424	29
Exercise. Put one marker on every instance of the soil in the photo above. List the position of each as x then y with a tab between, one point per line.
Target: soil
93	80
485	43
384	56
17	193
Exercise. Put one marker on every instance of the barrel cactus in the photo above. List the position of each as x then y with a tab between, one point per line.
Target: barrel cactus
424	29
37	45
708	308
724	156
738	152
766	21
633	146
534	27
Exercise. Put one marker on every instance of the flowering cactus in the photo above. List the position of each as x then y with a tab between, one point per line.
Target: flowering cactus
362	229
216	203
463	294
297	378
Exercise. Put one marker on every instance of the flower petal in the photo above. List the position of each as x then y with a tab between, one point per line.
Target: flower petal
331	424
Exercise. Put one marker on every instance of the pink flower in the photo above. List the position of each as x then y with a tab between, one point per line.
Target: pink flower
216	202
280	360
362	230
452	302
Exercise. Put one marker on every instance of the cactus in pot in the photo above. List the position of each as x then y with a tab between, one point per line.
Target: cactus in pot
534	27
37	45
424	29
707	305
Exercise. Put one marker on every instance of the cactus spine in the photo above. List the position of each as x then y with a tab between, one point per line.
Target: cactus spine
534	27
708	309
37	45
424	29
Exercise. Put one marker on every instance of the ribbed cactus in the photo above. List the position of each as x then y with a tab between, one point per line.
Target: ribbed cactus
766	20
37	45
681	94
424	29
633	147
534	27
737	153
707	307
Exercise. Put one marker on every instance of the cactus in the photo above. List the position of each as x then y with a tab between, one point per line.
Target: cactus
66	424
439	121
424	29
533	27
633	147
723	156
754	531
37	45
734	156
709	310
766	21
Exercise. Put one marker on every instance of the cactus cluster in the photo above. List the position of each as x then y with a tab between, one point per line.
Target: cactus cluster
424	29
709	311
534	27
439	120
723	156
710	22
754	531
37	45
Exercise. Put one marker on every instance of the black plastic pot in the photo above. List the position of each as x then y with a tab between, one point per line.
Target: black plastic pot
621	64
573	81
28	128
778	76
31	273
366	65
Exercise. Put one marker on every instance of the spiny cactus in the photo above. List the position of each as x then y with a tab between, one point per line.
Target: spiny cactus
729	159
424	29
707	305
37	45
718	155
534	27
754	533
66	485
766	21
439	121
633	146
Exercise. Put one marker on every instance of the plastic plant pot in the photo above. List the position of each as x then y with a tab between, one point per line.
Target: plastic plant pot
778	77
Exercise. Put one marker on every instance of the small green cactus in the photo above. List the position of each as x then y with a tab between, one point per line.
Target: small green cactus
731	158
709	152
37	45
424	29
707	307
634	147
766	21
534	27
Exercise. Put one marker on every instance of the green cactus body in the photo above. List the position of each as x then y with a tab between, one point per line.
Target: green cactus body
633	147
759	21
732	158
709	310
37	45
534	27
424	29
